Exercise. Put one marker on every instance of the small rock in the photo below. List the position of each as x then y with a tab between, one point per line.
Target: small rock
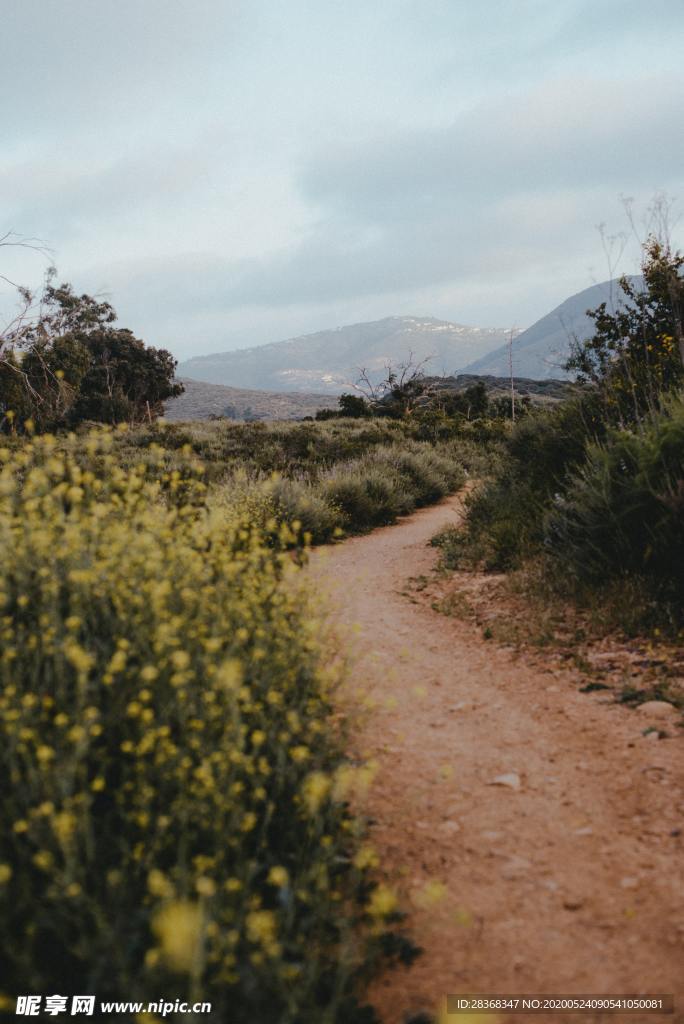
601	657
586	831
515	867
657	709
573	902
629	883
450	826
509	779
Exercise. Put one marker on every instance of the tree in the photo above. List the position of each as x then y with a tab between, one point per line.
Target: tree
354	406
637	353
72	364
397	393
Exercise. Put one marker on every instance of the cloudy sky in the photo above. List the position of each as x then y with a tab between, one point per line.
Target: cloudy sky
232	172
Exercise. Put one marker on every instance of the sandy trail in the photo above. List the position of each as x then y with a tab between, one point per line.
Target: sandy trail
572	883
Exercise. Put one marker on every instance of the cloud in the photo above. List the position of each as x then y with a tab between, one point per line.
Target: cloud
561	134
230	169
521	178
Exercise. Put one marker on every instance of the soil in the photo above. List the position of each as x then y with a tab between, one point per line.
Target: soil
535	833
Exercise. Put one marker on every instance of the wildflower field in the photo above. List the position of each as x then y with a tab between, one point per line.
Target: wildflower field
175	810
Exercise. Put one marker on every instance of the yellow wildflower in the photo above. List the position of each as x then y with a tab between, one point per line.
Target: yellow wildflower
315	789
178	927
383	901
278	876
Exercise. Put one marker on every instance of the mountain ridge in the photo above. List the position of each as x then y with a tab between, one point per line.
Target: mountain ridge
540	351
329	361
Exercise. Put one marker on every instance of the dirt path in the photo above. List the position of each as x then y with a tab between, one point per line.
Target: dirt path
571	883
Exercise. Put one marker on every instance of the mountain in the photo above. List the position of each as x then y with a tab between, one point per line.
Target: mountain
540	351
201	400
328	362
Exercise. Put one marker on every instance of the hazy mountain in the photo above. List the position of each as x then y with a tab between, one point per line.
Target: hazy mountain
328	362
541	350
201	400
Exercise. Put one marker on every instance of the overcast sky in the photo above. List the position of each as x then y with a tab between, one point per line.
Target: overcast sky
232	172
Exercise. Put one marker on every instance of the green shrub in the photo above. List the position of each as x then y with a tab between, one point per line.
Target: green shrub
622	513
365	497
299	502
391	481
505	522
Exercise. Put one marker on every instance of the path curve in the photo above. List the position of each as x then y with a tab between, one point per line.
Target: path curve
571	883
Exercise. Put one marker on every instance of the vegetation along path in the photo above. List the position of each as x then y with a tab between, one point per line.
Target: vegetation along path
535	832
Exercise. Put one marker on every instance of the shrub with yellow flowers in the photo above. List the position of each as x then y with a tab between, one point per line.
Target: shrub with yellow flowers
173	816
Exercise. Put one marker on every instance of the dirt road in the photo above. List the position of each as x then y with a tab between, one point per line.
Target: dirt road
535	832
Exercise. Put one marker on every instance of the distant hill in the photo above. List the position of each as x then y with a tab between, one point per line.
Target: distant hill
328	362
541	350
201	400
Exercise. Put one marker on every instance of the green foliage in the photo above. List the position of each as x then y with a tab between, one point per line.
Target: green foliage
301	502
506	514
351	406
597	482
291	471
622	511
354	406
637	352
357	495
390	482
74	365
472	402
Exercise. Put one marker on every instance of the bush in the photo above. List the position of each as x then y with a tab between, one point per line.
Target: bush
365	496
505	522
622	513
298	502
172	819
391	481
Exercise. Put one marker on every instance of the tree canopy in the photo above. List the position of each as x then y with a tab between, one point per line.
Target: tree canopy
71	363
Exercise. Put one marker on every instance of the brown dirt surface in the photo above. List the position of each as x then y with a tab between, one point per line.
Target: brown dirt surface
534	832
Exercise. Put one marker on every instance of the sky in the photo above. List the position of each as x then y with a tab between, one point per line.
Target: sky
235	172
